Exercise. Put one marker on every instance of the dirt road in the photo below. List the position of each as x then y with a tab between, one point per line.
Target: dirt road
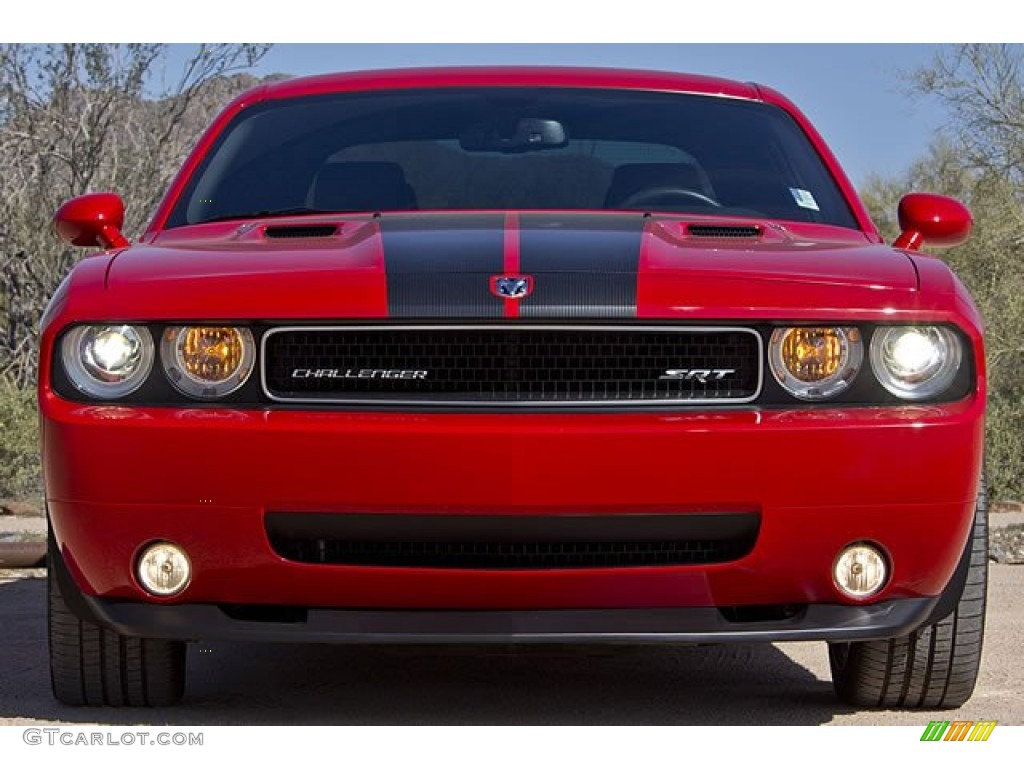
281	684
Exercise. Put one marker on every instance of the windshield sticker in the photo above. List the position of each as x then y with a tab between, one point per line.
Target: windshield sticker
804	198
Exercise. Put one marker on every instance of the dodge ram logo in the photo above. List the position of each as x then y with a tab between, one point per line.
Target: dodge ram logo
511	286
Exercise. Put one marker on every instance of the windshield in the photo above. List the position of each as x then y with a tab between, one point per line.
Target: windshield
513	148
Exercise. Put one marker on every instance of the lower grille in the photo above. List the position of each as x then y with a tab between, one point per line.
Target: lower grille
512	365
513	541
511	555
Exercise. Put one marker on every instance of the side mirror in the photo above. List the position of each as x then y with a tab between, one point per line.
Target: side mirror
932	219
92	220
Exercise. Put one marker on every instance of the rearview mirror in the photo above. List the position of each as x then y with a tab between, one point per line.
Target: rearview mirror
933	220
527	134
92	220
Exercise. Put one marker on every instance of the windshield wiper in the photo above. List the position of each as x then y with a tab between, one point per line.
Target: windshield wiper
296	211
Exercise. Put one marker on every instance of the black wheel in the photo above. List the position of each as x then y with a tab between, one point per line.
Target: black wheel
91	665
934	667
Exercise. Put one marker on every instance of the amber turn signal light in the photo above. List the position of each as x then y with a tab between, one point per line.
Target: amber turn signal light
211	354
815	363
207	362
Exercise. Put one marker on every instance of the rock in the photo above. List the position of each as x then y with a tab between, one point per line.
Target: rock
20	509
22	554
1006	545
1006	506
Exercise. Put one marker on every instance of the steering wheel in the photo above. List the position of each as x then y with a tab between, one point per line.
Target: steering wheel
637	199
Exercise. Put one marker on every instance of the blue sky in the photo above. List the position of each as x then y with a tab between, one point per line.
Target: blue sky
852	93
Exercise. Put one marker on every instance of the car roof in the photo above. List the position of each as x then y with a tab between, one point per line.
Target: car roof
452	77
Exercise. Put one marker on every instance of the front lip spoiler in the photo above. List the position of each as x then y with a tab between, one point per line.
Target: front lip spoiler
840	623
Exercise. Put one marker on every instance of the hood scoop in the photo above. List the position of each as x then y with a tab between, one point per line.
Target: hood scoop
295	231
723	231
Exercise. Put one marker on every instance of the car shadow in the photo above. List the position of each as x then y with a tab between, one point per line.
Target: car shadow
233	683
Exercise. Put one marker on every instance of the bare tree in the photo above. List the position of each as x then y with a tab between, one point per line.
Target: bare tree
983	89
76	118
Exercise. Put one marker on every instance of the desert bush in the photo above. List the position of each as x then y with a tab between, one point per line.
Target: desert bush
19	444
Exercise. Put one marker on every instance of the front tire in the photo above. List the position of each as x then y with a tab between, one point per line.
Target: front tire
91	665
934	667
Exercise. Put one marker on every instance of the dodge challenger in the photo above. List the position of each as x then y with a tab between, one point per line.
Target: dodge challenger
516	355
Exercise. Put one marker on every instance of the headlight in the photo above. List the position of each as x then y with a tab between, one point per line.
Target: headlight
207	362
107	361
815	363
915	362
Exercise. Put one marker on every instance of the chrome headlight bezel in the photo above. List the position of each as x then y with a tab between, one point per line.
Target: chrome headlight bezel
851	360
86	371
934	377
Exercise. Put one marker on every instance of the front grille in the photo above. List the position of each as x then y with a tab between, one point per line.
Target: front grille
507	365
513	542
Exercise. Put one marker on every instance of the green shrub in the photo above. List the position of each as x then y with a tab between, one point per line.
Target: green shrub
20	471
1004	449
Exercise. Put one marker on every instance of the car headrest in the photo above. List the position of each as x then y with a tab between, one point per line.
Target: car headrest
362	186
631	178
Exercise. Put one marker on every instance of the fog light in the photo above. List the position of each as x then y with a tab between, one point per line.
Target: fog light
860	571
164	569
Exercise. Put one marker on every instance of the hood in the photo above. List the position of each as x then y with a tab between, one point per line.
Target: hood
444	265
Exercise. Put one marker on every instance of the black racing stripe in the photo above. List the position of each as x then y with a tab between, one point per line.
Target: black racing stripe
583	265
439	266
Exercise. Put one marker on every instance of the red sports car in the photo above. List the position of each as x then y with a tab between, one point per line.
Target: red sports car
514	355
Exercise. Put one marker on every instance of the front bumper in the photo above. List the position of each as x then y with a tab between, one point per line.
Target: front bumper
905	477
